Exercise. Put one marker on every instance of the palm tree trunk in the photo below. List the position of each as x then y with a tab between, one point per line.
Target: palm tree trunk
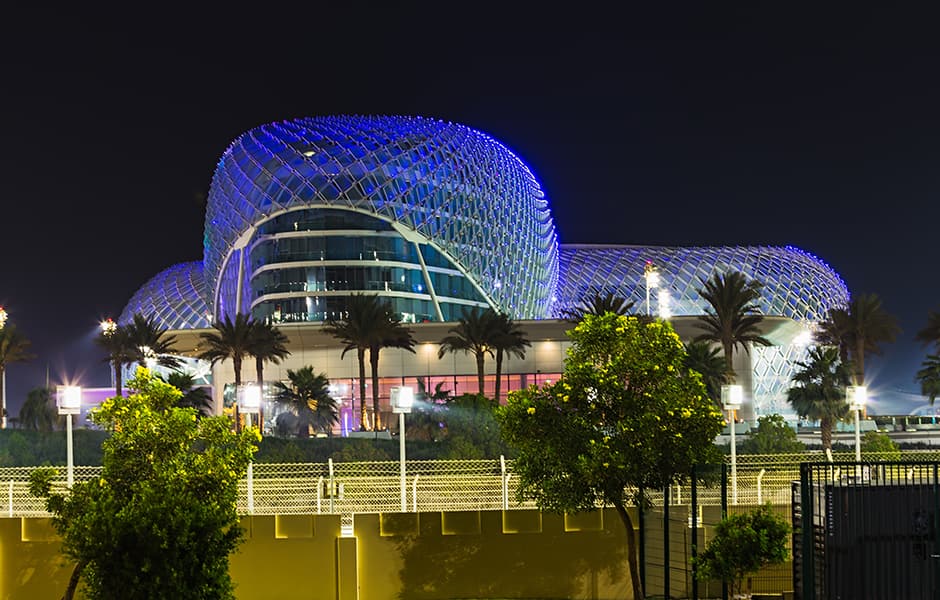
631	550
374	363
237	365
118	383
480	376
499	370
729	363
825	430
361	353
259	368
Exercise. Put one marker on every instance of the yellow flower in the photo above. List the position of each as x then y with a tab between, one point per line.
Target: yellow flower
531	410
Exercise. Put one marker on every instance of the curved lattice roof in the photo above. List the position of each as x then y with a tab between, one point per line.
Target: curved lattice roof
459	188
176	297
797	284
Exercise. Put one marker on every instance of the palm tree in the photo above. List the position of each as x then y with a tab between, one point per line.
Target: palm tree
363	315
508	340
930	334
147	341
819	390
230	340
371	325
114	340
267	344
598	305
929	377
39	413
390	334
14	347
859	330
703	358
193	396
308	399
473	334
732	316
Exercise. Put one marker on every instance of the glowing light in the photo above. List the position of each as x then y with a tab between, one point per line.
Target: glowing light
69	399
665	309
108	326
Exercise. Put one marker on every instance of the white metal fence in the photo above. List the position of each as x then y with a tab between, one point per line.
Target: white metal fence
433	485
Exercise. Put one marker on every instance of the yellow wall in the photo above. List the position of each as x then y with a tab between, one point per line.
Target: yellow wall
413	556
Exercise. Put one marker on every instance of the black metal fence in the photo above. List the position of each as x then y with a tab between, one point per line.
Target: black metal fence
866	530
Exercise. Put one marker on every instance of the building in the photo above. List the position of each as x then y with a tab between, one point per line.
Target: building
437	218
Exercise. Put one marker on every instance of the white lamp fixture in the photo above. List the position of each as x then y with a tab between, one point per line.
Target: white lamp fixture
665	304
856	396
249	400
68	400
732	397
402	400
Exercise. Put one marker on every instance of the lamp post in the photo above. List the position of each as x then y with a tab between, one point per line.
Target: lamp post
403	398
857	396
652	281
109	328
69	402
3	377
249	401
731	396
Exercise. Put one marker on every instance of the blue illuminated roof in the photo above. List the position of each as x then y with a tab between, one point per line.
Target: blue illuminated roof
459	188
797	284
176	297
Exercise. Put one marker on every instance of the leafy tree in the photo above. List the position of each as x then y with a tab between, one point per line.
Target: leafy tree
308	399
598	305
772	436
929	377
508	340
858	330
704	359
266	344
147	341
879	443
473	334
742	545
472	429
370	324
14	347
626	416
193	396
426	420
39	412
160	521
819	390
733	316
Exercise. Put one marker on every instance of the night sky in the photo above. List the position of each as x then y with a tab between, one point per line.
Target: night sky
758	126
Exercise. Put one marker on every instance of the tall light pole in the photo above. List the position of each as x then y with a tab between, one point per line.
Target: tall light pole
69	402
731	397
3	376
652	281
249	401
857	396
403	398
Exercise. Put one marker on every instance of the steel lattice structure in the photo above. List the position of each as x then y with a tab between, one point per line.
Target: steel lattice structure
797	285
176	296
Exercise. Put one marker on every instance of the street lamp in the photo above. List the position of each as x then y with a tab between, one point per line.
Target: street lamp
249	401
731	397
403	398
857	396
69	402
3	377
109	328
652	281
